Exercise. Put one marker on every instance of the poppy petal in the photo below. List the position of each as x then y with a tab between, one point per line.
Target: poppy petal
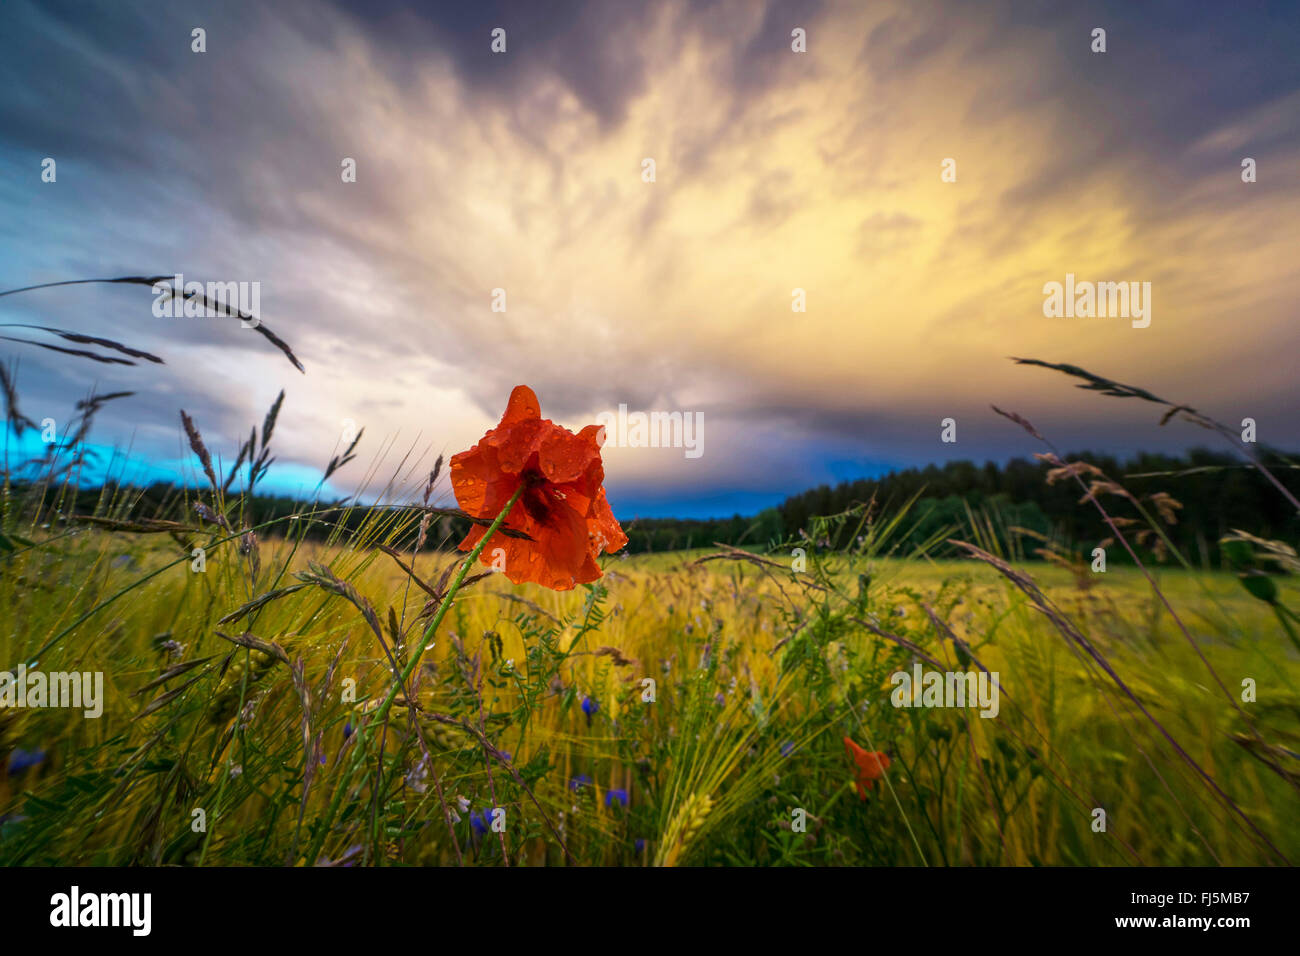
516	444
608	533
473	473
563	508
564	456
522	406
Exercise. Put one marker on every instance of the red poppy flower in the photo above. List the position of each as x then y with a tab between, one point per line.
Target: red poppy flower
562	508
872	765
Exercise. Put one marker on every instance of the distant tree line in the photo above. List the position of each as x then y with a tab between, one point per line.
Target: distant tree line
1217	493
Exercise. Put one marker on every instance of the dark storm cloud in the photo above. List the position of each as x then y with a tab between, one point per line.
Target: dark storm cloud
478	170
1171	71
765	62
591	45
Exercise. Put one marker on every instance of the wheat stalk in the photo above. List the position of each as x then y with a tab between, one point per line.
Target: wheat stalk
684	828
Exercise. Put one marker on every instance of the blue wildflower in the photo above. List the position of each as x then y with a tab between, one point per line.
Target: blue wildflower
589	707
347	730
580	781
23	760
615	796
640	845
480	821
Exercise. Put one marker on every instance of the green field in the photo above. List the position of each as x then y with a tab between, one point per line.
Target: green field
537	703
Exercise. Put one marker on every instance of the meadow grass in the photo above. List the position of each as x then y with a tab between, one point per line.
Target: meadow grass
536	702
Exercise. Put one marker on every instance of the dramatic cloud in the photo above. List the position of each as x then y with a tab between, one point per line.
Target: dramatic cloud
774	171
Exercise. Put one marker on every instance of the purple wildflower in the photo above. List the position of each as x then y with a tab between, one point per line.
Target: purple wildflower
23	760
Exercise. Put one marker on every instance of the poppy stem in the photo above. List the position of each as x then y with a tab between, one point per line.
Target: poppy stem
381	714
445	606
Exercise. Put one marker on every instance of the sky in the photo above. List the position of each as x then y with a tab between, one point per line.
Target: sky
774	171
